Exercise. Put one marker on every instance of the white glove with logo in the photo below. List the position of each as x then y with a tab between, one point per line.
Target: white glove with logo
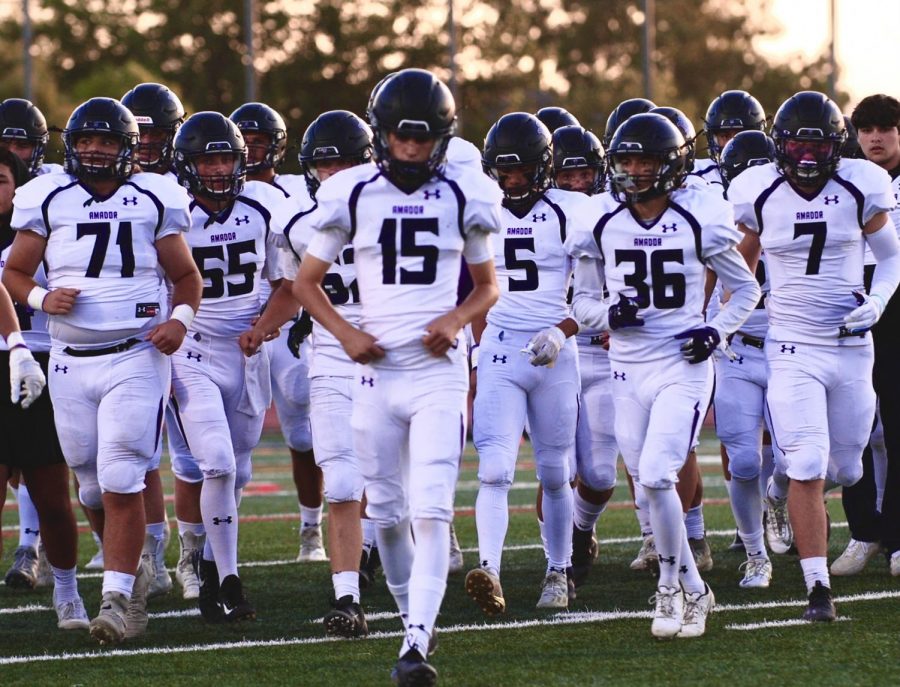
26	379
866	315
544	346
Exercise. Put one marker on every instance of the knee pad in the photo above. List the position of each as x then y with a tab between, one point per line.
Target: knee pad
122	475
552	474
847	473
806	464
298	436
745	463
343	482
495	471
654	475
89	493
243	470
598	477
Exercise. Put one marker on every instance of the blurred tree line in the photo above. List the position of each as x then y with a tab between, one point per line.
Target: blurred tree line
317	55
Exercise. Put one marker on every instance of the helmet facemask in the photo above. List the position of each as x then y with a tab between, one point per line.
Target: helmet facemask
410	173
809	158
644	185
154	149
536	174
96	164
221	186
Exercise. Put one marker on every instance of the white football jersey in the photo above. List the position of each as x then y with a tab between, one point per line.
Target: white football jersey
233	250
294	187
106	248
462	154
50	168
533	268
660	263
707	170
758	323
407	246
814	245
33	323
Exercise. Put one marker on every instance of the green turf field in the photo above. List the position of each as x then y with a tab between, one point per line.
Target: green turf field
603	639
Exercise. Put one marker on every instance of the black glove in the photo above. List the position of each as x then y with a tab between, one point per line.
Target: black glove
298	332
624	313
699	343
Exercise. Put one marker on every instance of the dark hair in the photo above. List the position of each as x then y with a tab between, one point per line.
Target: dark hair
17	167
877	110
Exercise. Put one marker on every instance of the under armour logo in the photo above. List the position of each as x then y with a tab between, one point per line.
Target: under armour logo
432	194
539	217
28	530
129	201
61	368
370	381
619	375
670	227
670	560
739	360
242	220
683	570
788	349
219	521
194	356
500	359
831	199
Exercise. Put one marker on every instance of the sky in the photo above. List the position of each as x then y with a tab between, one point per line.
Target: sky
867	32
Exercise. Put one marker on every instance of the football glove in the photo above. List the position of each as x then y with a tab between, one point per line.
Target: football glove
544	347
26	379
624	313
698	344
868	311
298	332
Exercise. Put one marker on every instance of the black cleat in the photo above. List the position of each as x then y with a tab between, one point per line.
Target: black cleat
584	552
368	567
412	670
821	606
234	604
208	573
432	643
346	619
570	585
737	544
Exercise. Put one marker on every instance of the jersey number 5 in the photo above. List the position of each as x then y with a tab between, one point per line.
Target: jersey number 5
409	228
216	275
668	289
511	248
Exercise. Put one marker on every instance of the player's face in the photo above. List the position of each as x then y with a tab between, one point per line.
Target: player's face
880	145
325	168
258	143
7	189
642	169
21	149
150	146
97	150
215	170
723	137
410	146
808	151
516	180
579	180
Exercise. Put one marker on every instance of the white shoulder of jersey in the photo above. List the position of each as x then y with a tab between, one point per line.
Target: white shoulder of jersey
581	242
713	214
873	182
462	152
575	205
292	184
340	185
696	180
50	168
482	195
163	187
33	193
744	190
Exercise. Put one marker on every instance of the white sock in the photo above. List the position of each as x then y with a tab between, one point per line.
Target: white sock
815	569
368	534
642	510
747	508
346	584
195	528
310	517
687	569
29	526
65	586
694	523
777	488
428	581
156	535
586	513
558	526
120	582
221	522
667	521
395	545
492	521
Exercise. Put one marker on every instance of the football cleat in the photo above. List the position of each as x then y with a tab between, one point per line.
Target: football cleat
23	573
160	580
346	619
485	590
821	605
412	670
855	557
208	598
554	592
697	607
71	615
702	554
369	564
44	574
136	612
757	573
737	544
457	564
109	625
311	548
779	535
647	558
668	613
895	564
585	551
186	569
96	562
234	605
570	585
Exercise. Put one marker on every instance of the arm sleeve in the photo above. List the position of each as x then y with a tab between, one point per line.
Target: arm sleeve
588	307
886	248
478	248
326	245
735	276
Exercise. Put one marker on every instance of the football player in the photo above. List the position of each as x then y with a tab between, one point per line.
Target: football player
23	131
813	213
555	117
729	113
409	222
650	245
108	237
621	113
219	396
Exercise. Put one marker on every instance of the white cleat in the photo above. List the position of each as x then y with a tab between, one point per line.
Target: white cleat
554	592
96	563
757	573
185	572
697	607
667	616
457	564
647	558
71	614
311	548
779	535
109	625
136	612
855	557
895	564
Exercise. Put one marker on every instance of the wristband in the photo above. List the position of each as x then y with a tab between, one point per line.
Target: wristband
16	340
184	314
473	356
36	298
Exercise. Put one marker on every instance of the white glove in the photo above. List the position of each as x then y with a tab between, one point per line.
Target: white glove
866	315
544	346
26	379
